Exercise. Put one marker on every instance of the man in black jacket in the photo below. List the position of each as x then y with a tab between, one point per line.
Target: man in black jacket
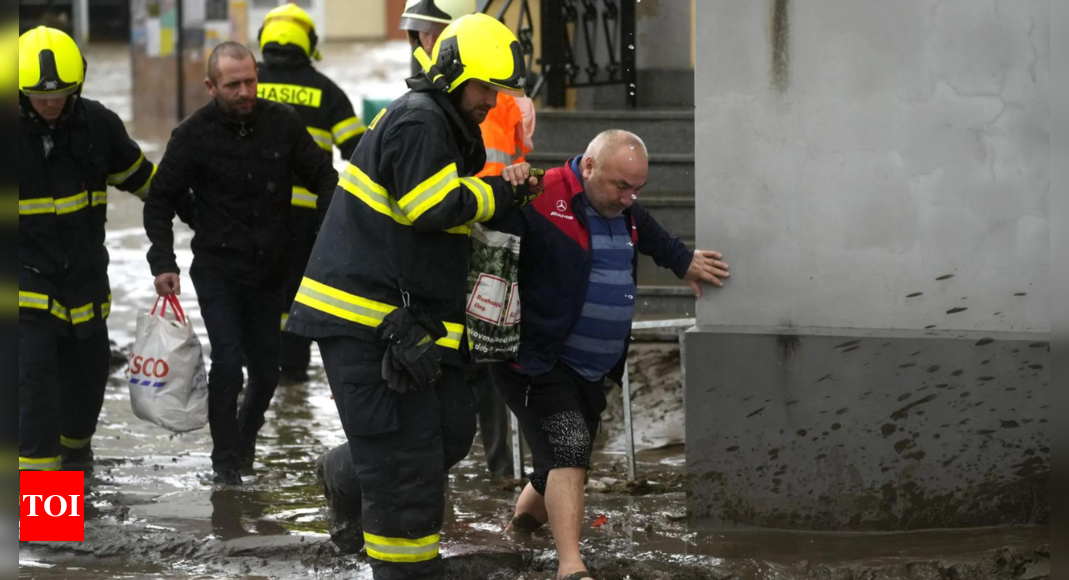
289	42
238	155
578	259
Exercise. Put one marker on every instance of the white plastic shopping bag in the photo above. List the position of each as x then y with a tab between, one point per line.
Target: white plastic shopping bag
168	383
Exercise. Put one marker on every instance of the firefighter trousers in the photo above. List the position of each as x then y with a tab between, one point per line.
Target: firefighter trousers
402	448
62	380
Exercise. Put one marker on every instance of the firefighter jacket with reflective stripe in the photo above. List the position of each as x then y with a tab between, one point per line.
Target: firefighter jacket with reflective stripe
241	174
65	170
400	222
287	76
503	136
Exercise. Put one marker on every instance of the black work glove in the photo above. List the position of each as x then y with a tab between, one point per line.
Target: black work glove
412	361
523	195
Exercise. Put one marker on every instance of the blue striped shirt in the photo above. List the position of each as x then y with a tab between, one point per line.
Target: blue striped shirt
599	340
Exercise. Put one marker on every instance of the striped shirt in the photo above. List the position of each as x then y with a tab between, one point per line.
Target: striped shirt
599	340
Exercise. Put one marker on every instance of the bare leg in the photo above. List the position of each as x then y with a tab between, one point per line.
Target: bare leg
531	512
565	503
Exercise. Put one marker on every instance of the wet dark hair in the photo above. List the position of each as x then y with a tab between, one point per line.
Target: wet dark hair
234	50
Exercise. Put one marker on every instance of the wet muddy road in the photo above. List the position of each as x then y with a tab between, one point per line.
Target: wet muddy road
152	513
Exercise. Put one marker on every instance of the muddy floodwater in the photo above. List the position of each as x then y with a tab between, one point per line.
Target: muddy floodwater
151	511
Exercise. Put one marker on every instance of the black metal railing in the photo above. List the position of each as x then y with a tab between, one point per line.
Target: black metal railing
585	43
525	32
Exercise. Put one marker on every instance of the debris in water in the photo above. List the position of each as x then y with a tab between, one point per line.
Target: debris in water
599	522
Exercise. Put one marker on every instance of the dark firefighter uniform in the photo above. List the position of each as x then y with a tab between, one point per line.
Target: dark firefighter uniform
65	170
288	42
397	235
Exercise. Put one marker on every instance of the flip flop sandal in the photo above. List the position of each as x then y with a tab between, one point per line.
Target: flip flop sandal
580	576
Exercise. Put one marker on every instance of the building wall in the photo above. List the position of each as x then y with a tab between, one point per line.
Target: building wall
896	144
877	174
356	20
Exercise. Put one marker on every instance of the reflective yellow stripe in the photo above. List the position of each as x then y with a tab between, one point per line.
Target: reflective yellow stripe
342	304
75	443
378	199
72	204
83	314
105	308
372	194
430	193
48	464
291	94
60	312
120	178
322	138
304	198
455	332
484	197
33	300
37	206
399	550
100	198
375	123
142	192
285	319
348	129
361	311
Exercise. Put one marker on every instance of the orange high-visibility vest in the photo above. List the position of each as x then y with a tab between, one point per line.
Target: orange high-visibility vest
503	135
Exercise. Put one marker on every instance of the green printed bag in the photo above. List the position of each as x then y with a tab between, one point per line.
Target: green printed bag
493	296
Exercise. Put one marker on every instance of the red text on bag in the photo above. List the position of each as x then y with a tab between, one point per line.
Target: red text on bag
149	368
51	506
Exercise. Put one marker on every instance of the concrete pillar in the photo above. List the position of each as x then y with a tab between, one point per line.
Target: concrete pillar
81	21
877	173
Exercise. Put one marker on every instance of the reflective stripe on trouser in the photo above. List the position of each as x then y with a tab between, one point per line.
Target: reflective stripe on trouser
361	311
62	380
402	448
400	550
80	315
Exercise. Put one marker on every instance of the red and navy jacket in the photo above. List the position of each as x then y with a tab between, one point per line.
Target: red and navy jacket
555	264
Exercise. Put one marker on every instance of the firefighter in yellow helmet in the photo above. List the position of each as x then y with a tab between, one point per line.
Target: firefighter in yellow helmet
506	134
71	150
384	294
289	42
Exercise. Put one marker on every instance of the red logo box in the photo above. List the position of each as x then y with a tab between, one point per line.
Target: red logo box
51	506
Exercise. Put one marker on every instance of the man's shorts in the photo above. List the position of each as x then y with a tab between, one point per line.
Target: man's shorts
560	414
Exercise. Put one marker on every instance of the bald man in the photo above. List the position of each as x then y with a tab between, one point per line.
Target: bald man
578	260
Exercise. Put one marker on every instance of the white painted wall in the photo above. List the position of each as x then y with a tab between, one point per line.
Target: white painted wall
911	141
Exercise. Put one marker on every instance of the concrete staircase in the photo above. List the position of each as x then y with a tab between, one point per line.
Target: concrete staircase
669	194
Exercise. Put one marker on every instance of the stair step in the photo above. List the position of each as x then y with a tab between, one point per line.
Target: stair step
668	172
661	302
674	213
663	131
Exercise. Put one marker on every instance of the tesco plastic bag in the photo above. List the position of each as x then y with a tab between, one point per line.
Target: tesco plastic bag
493	296
168	383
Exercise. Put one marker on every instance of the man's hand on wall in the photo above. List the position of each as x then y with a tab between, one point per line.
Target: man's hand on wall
709	268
